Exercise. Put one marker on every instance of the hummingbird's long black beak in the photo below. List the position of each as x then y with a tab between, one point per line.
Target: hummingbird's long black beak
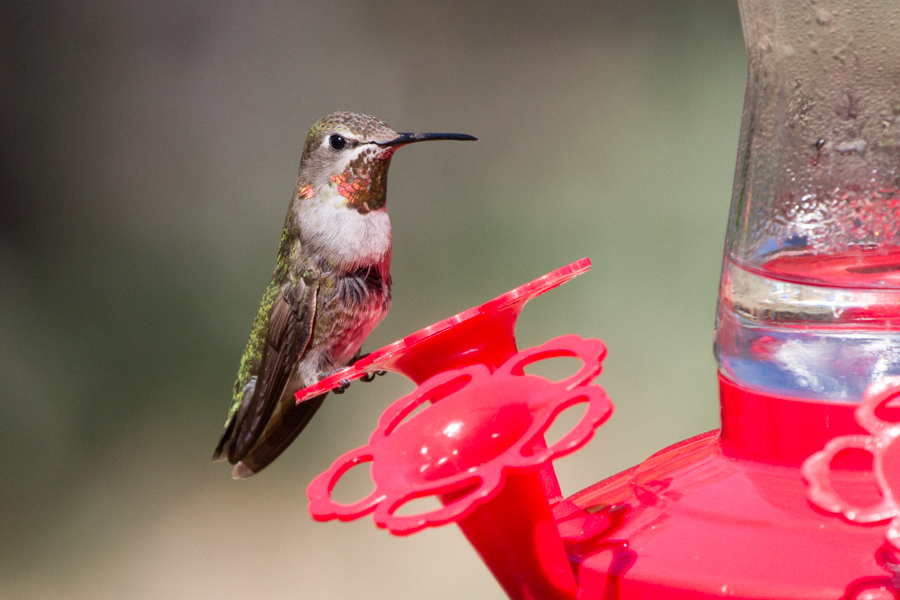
409	138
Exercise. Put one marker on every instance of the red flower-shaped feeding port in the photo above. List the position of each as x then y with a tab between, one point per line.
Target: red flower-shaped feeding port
878	414
478	445
478	426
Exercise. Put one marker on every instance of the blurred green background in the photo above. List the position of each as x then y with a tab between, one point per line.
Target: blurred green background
147	155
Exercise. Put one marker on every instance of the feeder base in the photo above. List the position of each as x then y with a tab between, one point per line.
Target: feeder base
726	514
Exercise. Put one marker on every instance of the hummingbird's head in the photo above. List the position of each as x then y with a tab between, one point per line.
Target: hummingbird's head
346	156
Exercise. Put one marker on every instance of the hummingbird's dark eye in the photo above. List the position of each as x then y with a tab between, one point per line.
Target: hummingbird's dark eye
337	142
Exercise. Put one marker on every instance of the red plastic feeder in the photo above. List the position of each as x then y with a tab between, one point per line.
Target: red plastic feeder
794	498
726	514
722	514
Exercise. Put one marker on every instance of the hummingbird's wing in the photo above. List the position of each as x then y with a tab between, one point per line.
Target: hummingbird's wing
289	331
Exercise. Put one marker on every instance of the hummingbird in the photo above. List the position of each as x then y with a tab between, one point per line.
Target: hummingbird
330	289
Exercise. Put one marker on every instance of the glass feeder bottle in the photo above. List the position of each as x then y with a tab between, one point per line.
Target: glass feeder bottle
809	302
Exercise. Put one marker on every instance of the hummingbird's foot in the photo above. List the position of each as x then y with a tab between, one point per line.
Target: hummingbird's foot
370	376
342	387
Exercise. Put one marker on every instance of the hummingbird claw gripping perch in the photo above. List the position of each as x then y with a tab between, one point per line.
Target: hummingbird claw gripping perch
371	376
342	387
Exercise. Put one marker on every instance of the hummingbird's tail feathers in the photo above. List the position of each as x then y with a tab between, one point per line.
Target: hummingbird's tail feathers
241	471
294	419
